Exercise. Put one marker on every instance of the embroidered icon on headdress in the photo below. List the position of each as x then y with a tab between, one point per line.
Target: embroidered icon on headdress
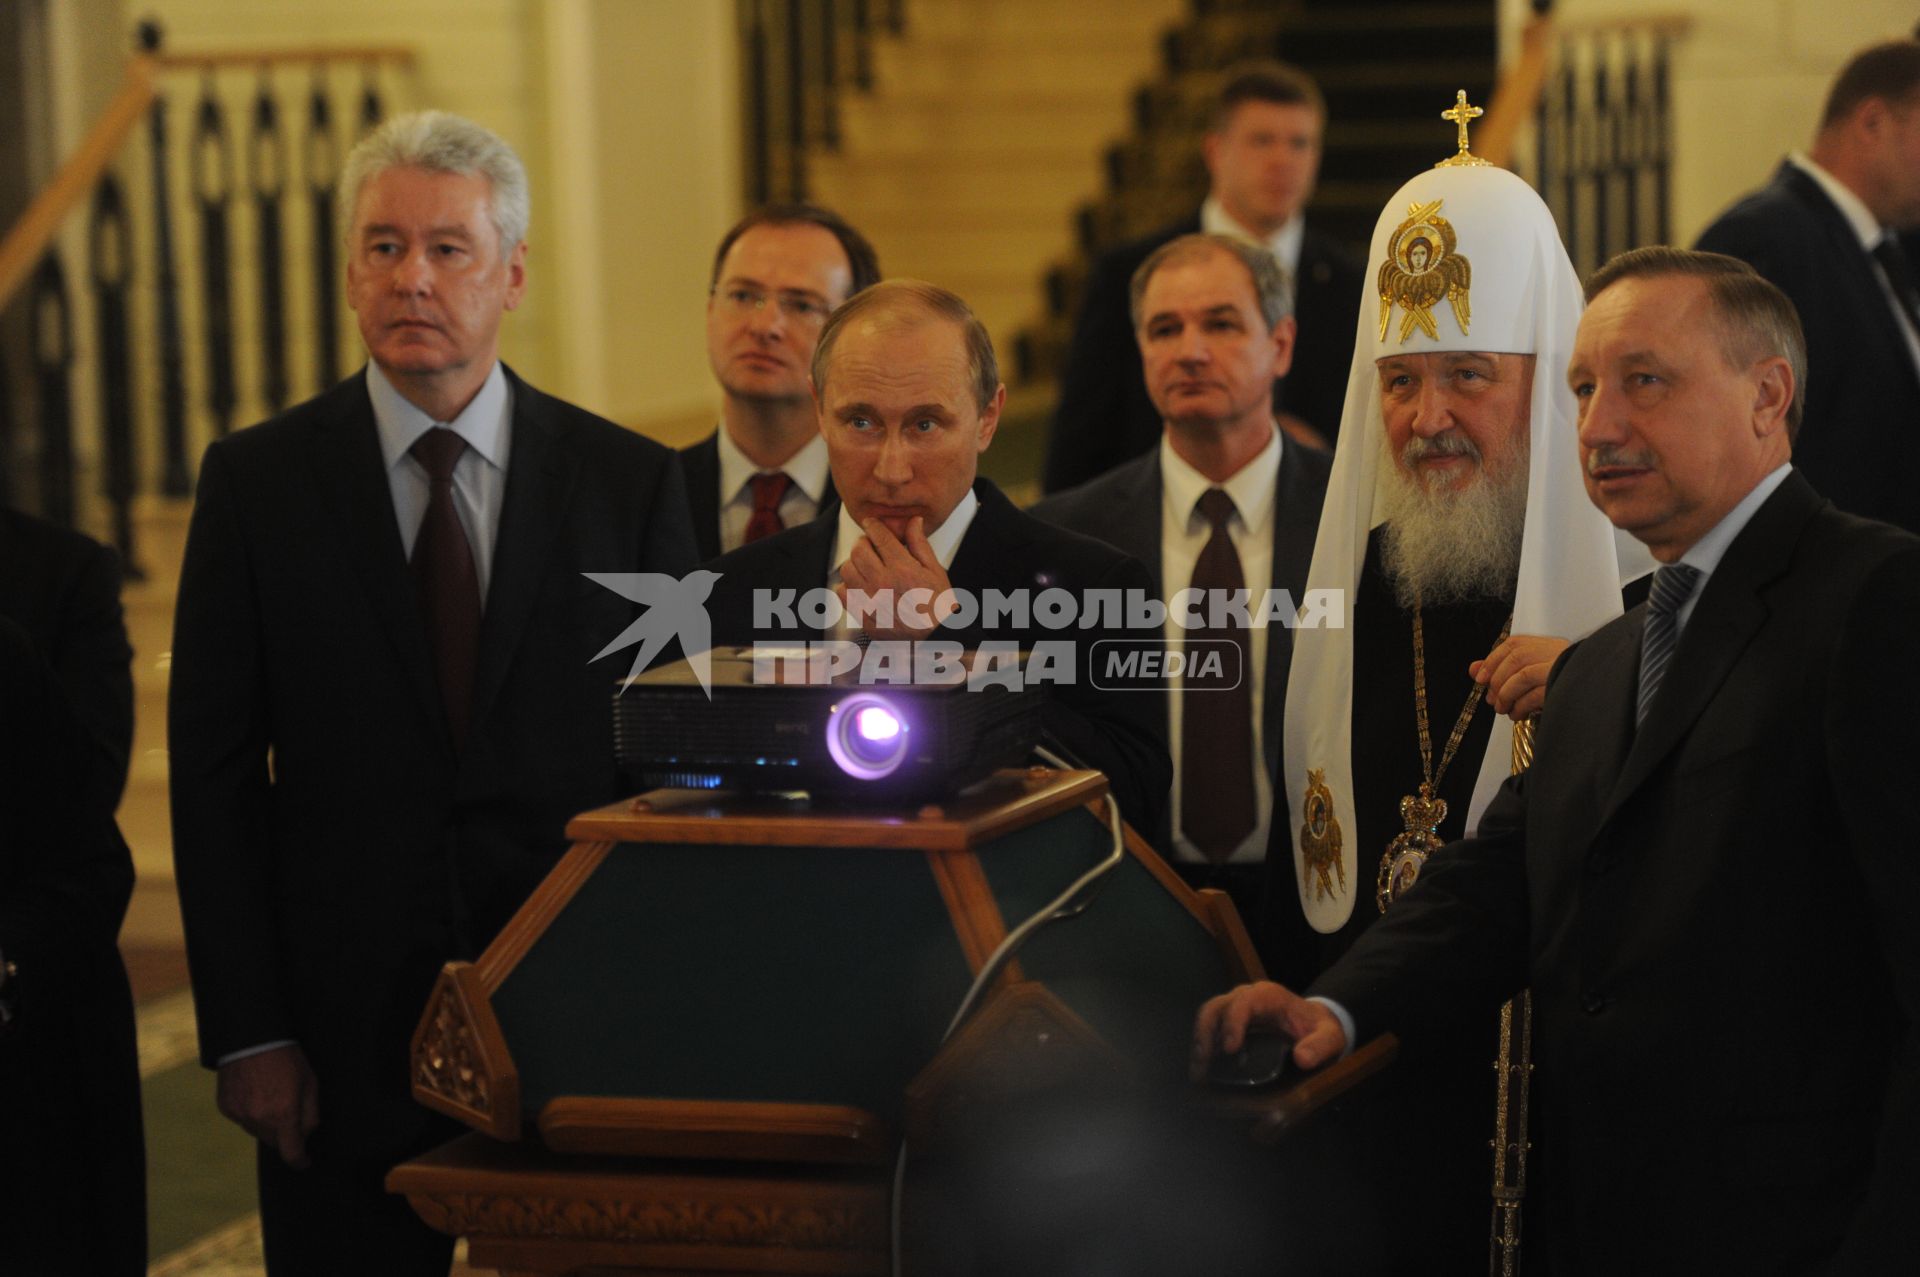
1422	267
1320	838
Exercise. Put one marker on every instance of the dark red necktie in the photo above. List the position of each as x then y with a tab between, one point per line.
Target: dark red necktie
444	575
768	491
1217	804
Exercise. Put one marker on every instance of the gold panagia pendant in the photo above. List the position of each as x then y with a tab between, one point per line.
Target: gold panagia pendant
1320	839
1407	853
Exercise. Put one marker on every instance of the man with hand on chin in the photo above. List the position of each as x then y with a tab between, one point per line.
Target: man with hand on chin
909	395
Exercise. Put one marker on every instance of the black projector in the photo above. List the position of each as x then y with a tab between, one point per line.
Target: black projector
781	725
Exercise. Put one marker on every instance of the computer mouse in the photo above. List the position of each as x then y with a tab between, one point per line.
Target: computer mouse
1262	1060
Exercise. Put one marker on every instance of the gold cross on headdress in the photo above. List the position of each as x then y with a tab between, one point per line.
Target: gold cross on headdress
1459	114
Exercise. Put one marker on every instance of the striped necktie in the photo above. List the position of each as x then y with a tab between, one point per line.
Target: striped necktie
1672	586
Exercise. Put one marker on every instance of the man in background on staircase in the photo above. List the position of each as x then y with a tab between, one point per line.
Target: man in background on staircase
1262	151
778	274
1827	230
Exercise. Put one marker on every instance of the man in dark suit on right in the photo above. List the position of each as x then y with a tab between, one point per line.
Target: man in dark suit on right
1706	876
1827	231
1263	154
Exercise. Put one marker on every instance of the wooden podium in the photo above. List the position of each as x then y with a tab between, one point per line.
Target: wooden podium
698	1044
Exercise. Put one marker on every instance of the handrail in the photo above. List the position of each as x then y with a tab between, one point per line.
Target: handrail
37	226
401	54
1673	24
1517	96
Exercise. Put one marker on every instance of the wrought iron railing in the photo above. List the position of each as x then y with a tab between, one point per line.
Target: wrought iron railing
1604	134
796	59
264	135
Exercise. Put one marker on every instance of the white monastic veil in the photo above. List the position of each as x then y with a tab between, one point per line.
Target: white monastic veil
1525	299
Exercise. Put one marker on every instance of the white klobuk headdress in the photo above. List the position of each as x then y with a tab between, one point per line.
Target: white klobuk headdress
1465	257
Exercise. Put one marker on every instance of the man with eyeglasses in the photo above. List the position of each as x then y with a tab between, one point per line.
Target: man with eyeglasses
777	275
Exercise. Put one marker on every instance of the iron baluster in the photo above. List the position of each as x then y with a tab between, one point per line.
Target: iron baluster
51	336
323	163
175	478
110	252
213	190
266	169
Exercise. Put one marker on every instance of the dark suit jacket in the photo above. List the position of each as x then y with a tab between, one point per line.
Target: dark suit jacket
1122	508
63	589
1719	915
72	1169
322	893
700	463
1105	416
1120	733
1860	440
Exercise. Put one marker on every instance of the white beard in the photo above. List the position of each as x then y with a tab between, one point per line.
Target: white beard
1450	546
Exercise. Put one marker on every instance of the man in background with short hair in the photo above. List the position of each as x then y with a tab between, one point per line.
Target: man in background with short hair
1227	501
1262	151
777	275
1827	230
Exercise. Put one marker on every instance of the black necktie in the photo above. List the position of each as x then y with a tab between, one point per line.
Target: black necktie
1672	585
1906	289
444	575
1217	807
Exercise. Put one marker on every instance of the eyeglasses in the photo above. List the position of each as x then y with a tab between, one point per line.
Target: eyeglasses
798	307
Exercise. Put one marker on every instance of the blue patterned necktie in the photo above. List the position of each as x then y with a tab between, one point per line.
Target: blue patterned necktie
1672	586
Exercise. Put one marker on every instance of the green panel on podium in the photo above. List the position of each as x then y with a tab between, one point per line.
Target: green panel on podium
1134	964
819	975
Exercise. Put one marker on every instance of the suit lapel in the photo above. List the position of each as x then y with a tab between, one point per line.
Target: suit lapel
351	471
1730	612
540	474
701	466
988	545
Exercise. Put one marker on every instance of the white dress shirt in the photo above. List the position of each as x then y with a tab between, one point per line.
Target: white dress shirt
1184	532
479	477
944	539
1284	243
800	504
1706	553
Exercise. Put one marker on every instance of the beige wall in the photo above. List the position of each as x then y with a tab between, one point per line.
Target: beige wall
1748	83
625	113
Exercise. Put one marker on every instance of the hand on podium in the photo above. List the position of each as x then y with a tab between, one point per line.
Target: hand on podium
1222	1026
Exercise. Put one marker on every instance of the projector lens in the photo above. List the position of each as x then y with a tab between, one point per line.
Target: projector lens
867	737
876	724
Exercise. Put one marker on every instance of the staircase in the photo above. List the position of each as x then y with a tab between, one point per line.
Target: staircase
1387	68
987	119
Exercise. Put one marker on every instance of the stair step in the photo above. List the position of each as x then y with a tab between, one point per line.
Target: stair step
930	24
864	190
926	123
